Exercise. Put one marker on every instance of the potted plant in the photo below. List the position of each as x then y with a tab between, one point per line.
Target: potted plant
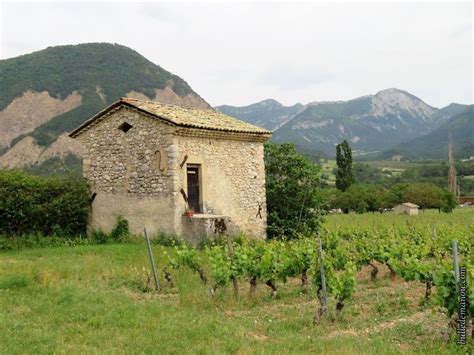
189	212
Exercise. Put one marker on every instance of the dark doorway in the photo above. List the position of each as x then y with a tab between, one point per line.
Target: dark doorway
194	199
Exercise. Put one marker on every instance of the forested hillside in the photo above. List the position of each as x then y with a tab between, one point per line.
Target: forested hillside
435	144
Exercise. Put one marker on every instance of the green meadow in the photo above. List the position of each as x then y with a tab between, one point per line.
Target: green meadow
98	298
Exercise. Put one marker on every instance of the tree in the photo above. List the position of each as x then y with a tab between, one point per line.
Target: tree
449	202
386	199
357	198
426	195
344	175
331	197
369	174
452	178
292	182
363	198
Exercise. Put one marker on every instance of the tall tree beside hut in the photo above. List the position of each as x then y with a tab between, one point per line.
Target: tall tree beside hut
294	202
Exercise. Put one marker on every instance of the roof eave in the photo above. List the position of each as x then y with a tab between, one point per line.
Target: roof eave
99	114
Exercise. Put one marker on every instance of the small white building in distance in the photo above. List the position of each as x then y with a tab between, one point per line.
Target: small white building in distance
407	208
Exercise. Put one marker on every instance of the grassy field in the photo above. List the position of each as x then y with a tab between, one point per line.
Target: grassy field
327	168
460	219
90	299
389	166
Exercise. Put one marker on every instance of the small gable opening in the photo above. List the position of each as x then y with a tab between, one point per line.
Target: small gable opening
125	127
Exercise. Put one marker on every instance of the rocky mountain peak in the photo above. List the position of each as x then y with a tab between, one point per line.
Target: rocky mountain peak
397	102
269	103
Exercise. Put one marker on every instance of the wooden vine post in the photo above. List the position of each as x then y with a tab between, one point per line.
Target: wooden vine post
230	250
322	291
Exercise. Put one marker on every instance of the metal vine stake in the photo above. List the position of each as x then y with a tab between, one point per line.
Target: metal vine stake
152	260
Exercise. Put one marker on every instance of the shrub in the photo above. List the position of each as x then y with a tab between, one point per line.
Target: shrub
120	230
120	233
167	240
99	237
42	205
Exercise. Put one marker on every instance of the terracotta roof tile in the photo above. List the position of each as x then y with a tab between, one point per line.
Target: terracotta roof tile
411	205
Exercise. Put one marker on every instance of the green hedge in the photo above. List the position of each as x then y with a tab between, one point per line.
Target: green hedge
45	205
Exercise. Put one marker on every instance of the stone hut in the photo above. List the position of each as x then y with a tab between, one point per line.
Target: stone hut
150	163
407	208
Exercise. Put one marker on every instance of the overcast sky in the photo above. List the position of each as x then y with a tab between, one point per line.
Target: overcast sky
242	53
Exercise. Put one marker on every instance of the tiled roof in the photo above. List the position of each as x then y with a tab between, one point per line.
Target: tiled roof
411	205
185	117
197	118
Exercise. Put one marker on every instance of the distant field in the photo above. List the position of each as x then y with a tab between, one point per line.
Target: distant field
460	218
393	167
391	164
397	167
327	169
399	164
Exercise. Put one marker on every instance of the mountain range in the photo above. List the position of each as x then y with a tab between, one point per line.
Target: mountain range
46	94
269	114
374	125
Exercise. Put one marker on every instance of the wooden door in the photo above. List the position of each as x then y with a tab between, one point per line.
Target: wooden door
194	191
